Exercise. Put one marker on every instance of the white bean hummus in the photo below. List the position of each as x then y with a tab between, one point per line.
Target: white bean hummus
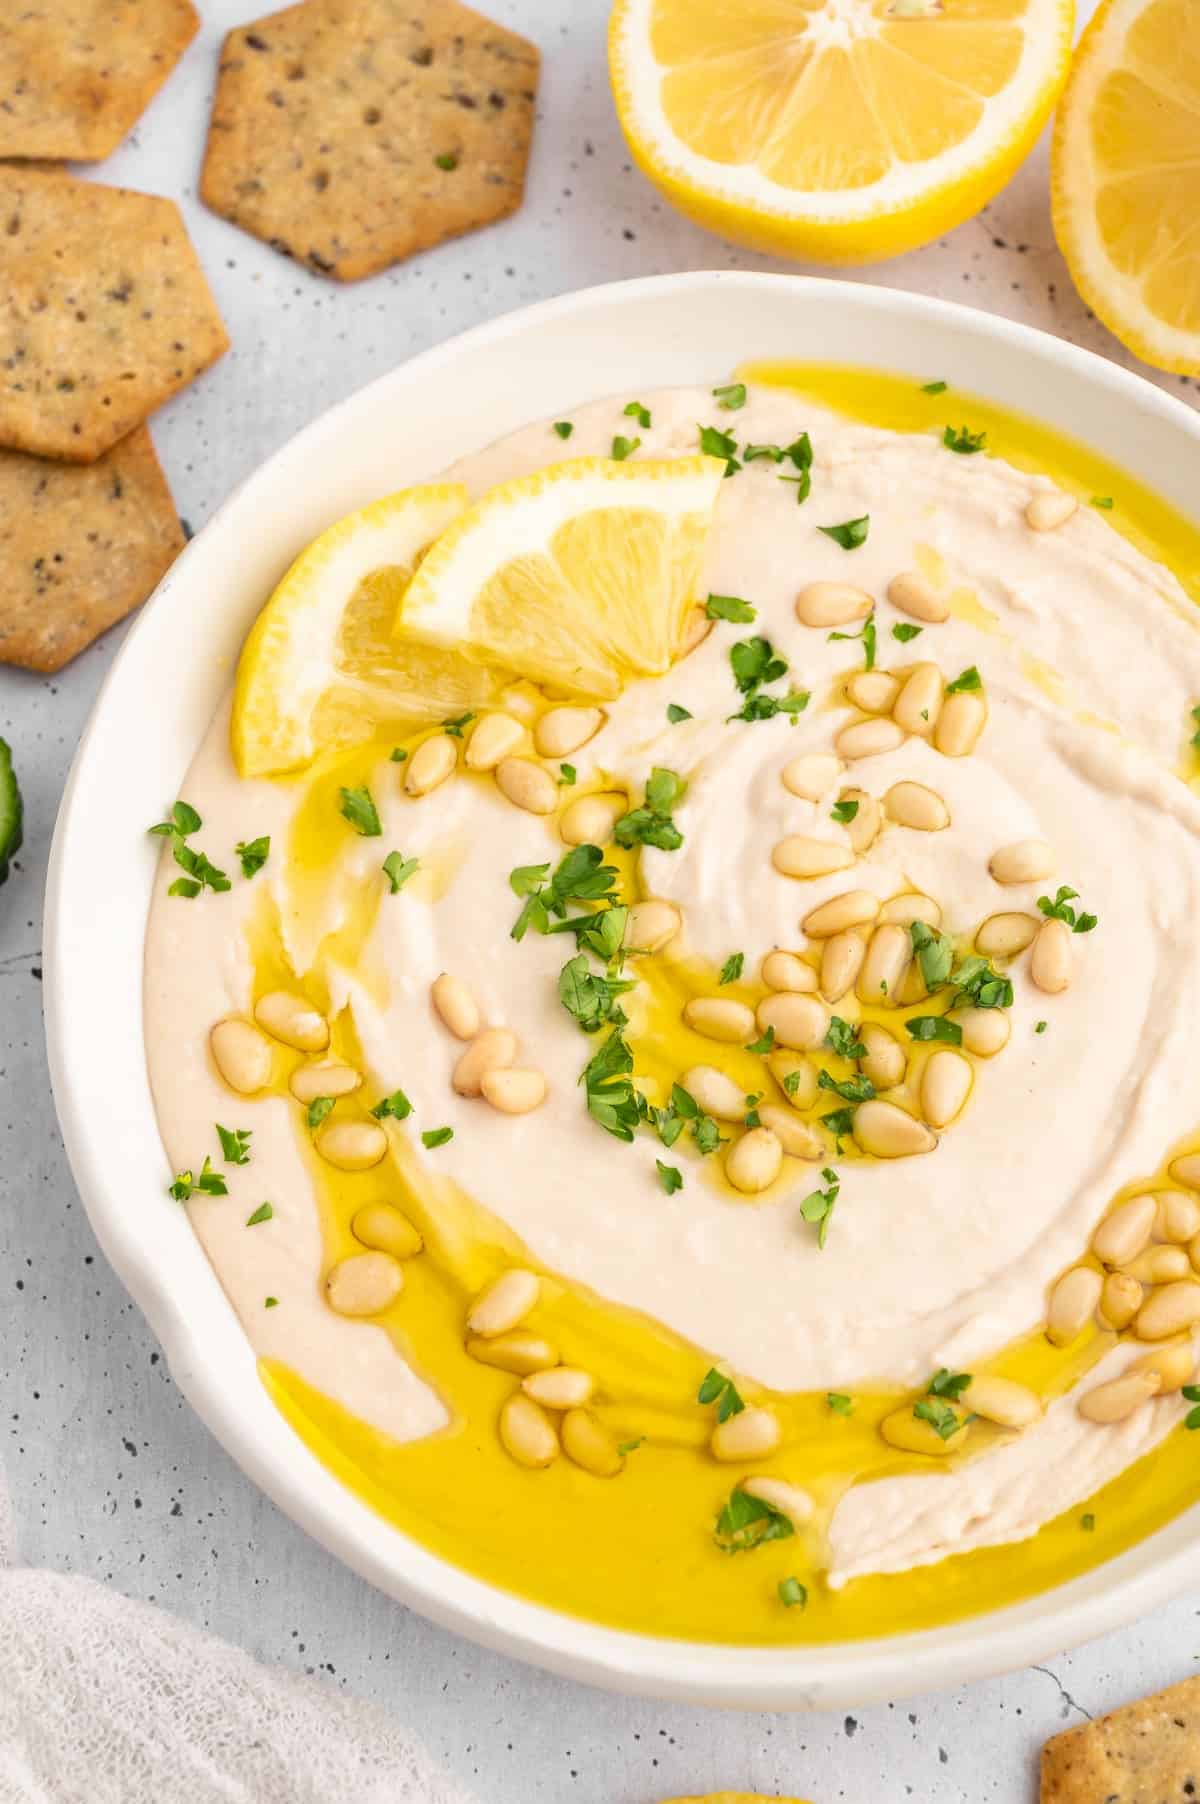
1086	665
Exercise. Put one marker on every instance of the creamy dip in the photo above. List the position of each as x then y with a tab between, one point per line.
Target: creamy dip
1090	664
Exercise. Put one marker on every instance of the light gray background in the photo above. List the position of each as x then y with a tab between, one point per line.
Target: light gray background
112	1475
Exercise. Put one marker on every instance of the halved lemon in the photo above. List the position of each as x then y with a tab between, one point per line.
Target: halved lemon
578	576
1126	177
835	130
320	667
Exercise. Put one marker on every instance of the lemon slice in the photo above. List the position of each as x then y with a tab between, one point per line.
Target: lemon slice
579	576
1126	177
320	667
836	130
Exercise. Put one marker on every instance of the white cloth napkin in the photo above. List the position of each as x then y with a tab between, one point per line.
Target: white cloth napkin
107	1701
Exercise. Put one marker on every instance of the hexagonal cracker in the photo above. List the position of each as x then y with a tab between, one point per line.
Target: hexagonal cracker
350	136
75	75
104	312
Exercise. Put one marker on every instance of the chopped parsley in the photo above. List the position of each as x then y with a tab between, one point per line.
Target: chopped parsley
591	999
271	1303
264	1212
235	1144
633	410
564	428
904	630
669	1176
253	854
208	1183
437	1136
1195	739
398	869
791	1082
582	876
624	447
946	1383
935	953
817	1207
800	453
454	726
747	1522
980	985
733	967
715	443
731	396
940	1417
1104	501
612	1099
868	633
850	1089
934	388
447	160
631	1446
182	821
1087	1521
839	1403
730	607
567	774
717	1387
358	807
397	1106
843	1039
397	755
764	1044
754	453
844	812
792	1594
1060	910
1191	1392
675	713
850	534
685	1110
754	662
318	1109
839	1123
201	873
935	1027
651	824
964	441
967	679
1041	1027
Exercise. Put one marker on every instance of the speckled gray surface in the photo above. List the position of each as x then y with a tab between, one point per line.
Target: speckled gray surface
112	1476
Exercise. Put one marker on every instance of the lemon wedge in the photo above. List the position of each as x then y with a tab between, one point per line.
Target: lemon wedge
1125	177
835	130
320	667
579	576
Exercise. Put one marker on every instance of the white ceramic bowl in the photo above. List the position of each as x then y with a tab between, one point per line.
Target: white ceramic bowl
158	700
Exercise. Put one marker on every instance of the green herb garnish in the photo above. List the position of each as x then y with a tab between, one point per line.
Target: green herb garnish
675	713
844	812
398	869
935	953
946	1383
817	1207
935	1027
651	824
964	440
397	1106
318	1109
633	410
447	160
358	807
1040	1027
567	774
763	1045
591	999
264	1212
733	967
850	534
934	388
792	1593
730	607
1104	501
839	1403
624	447
208	1183
1060	910
253	854
714	443
454	726
904	630
868	633
1087	1521
968	679
717	1387
941	1418
397	755
564	428
731	396
747	1522
843	1039
235	1144
437	1136
850	1089
182	821
669	1176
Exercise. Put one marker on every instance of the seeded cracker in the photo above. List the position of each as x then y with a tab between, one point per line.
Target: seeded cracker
80	545
351	133
1146	1753
104	312
75	75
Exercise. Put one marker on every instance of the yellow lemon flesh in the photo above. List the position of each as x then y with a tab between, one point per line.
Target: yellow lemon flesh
839	131
579	576
320	667
1126	177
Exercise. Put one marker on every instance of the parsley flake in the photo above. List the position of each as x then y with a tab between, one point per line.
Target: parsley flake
207	1183
839	1403
398	869
733	967
454	726
843	1039
747	1522
731	396
271	1303
817	1207
717	1387
964	441
1041	1027
792	1593
567	774
868	634
564	428
183	820
935	1027
969	679
446	160
318	1109
397	755
397	1106
904	630
940	1417
253	854
437	1136
633	410
850	534
934	388
730	607
1104	501
235	1144
669	1176
675	713
624	447
715	443
264	1212
1087	1521
651	823
844	812
763	1045
1060	910
358	807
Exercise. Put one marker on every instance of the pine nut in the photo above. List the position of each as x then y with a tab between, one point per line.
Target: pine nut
853	908
1050	508
1003	1401
565	1387
1176	1216
1124	1231
832	604
841	961
516	1353
797	1139
865	828
785	971
1050	960
918	706
985	1031
945	1086
869	738
562	731
716	1093
887	1132
885	1061
1114	1401
800	1022
915	597
753	1163
512	1091
456	1004
785	1065
387	1229
504	1303
1028	861
590	820
1169	1311
1174	1362
752	1434
910	907
363	1284
719	1018
1159	1265
696	629
887	960
908	1432
293	1020
527	785
495	737
800	856
430	764
913	805
242	1055
1004	935
961	721
326	1077
913	988
788	1499
1186	1170
587	1443
351	1145
873	691
1120	1299
527	1433
1072	1303
492	1050
812	775
650	925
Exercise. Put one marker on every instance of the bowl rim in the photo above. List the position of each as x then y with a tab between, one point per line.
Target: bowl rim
808	1675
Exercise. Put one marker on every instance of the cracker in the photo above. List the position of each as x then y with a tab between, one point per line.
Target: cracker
352	133
80	545
104	312
76	74
1145	1753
